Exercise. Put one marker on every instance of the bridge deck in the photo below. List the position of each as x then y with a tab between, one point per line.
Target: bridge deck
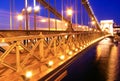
47	54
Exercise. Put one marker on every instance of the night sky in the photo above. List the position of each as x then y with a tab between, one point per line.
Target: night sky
106	9
103	9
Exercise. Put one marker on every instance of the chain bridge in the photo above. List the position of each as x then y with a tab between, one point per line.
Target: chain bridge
28	54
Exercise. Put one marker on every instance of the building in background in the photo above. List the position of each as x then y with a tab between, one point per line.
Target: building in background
107	25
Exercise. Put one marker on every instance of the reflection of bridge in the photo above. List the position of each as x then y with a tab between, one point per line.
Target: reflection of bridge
34	54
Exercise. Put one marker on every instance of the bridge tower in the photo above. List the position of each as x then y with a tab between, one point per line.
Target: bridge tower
107	26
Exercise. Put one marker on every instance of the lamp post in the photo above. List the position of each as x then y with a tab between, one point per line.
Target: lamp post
93	24
69	14
29	11
20	18
36	10
26	15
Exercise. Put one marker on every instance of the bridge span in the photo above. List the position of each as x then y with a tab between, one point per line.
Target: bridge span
28	53
41	55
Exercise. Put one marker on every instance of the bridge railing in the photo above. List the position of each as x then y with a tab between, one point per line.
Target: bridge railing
41	52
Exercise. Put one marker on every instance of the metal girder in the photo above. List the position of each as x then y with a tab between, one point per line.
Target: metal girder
41	49
91	13
51	9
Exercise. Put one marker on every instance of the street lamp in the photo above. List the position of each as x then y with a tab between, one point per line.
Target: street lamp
93	22
69	14
26	12
29	10
69	11
20	18
36	10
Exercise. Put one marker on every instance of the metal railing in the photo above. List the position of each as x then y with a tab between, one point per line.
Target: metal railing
41	52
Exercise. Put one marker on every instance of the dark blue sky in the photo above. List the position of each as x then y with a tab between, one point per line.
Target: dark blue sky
103	9
106	9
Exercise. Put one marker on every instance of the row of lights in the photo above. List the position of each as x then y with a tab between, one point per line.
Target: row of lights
36	10
61	57
29	74
29	10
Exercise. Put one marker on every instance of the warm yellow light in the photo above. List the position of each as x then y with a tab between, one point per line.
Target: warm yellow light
20	17
73	36
23	11
66	24
29	9
84	45
92	18
36	9
76	49
93	22
66	36
43	20
50	63
79	26
69	12
80	47
62	57
70	53
3	40
28	74
90	29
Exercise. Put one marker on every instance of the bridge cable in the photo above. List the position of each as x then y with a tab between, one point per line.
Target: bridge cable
48	16
55	16
81	12
14	10
62	12
11	10
76	13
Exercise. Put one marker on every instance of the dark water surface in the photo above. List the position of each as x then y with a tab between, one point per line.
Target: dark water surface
98	63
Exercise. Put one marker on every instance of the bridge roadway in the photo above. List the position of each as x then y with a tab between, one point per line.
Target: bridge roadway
44	55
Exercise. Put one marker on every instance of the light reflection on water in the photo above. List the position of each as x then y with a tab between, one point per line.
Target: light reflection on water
108	59
99	63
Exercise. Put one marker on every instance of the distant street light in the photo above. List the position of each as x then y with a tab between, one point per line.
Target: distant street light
28	75
93	22
20	19
29	10
36	9
70	13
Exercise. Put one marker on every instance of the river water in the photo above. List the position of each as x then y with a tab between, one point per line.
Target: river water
101	62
